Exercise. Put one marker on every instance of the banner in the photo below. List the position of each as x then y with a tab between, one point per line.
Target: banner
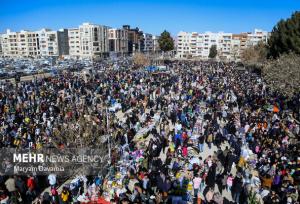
51	160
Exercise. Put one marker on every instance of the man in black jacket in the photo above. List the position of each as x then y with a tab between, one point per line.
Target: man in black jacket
237	188
201	140
229	161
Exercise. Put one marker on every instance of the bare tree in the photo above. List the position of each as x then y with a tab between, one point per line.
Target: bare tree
140	60
283	74
255	55
235	53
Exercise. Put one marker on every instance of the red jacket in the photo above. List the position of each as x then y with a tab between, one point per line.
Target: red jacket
31	183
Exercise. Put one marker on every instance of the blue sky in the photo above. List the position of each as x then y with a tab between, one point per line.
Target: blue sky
151	16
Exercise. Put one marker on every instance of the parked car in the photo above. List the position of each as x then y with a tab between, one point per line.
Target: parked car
11	73
3	74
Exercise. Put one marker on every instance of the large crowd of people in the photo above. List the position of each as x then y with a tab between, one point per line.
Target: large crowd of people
202	132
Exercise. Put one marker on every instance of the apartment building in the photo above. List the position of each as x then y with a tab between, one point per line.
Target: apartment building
53	43
93	40
9	41
23	43
156	47
195	44
183	44
118	41
235	48
135	39
256	37
28	43
225	45
242	38
63	42
86	41
229	45
209	39
74	42
48	42
148	43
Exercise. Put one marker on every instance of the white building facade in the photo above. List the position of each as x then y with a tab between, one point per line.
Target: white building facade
197	45
118	41
149	44
183	44
225	46
256	37
93	40
74	42
9	41
48	42
23	43
156	47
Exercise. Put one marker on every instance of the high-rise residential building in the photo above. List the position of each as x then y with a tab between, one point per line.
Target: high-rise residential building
86	41
209	39
183	44
192	43
235	48
156	47
195	44
23	43
48	42
31	48
229	46
93	40
53	43
28	43
242	38
63	42
118	41
148	43
257	36
9	43
74	42
225	45
135	39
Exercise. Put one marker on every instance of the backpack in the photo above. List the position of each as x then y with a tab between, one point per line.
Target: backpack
65	196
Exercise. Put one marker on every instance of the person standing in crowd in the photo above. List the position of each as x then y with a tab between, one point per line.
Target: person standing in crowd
158	124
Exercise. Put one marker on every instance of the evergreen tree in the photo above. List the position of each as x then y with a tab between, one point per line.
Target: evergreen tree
213	51
285	36
165	41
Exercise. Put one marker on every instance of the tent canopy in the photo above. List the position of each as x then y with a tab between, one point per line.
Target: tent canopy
151	68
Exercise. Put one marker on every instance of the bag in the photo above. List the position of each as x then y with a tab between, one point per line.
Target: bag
65	196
